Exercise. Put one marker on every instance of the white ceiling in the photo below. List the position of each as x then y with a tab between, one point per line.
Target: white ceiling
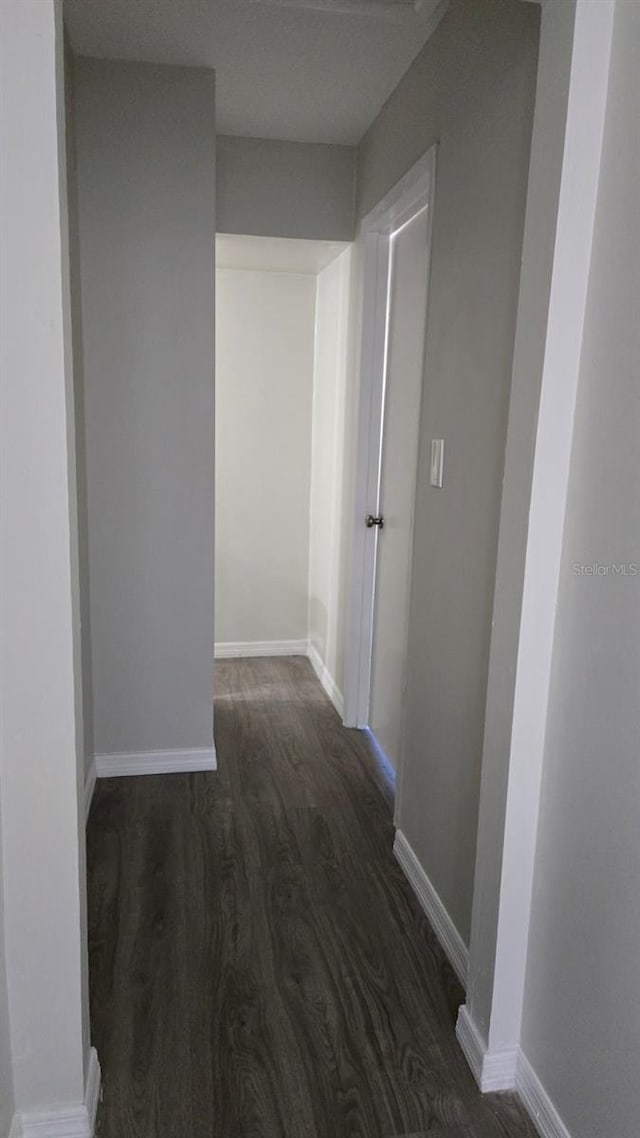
303	70
275	254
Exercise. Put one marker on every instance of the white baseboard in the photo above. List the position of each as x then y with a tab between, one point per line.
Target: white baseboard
92	1092
236	649
436	913
471	1043
155	762
89	787
537	1103
493	1071
326	679
508	1070
75	1120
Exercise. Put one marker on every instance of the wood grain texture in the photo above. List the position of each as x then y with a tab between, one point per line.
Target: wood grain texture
259	966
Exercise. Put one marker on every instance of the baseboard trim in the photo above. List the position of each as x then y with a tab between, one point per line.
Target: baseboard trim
235	650
326	679
508	1070
537	1103
155	762
471	1043
89	787
493	1071
433	907
93	1090
76	1120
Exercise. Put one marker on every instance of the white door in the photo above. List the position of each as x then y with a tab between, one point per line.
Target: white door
407	310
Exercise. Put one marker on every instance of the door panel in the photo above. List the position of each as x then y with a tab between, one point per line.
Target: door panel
399	461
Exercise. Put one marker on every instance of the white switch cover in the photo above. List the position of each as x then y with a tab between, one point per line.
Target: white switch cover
437	462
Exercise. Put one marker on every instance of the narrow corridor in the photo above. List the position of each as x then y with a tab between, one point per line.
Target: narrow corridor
259	965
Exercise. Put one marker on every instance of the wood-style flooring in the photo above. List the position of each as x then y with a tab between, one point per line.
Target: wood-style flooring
259	966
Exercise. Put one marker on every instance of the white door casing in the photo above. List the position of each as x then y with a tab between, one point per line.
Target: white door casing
396	238
398	471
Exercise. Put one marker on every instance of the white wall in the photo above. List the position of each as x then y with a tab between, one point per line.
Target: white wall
264	384
41	760
285	189
330	517
145	150
581	1027
472	90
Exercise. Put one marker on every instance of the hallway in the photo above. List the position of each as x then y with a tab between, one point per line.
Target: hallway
259	967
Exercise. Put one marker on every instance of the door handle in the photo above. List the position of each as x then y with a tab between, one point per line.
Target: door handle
370	521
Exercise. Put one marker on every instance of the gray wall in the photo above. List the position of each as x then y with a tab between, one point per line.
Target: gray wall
472	90
547	153
581	1019
6	1072
269	188
79	410
146	180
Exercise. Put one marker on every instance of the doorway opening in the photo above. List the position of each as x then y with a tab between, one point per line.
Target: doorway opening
282	520
396	245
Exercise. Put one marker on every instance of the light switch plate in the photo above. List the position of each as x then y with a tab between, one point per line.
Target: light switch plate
437	462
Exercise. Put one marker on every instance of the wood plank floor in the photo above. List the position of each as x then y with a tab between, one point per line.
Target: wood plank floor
259	966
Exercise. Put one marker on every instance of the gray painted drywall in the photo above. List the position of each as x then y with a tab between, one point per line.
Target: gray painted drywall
146	180
472	90
547	149
581	1028
286	70
79	410
264	388
6	1070
270	188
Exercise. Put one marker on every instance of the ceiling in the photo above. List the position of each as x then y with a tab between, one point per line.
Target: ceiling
276	254
302	70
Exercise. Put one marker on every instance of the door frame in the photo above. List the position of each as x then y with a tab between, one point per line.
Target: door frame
414	191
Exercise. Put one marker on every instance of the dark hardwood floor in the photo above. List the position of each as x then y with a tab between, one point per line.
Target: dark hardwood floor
259	966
